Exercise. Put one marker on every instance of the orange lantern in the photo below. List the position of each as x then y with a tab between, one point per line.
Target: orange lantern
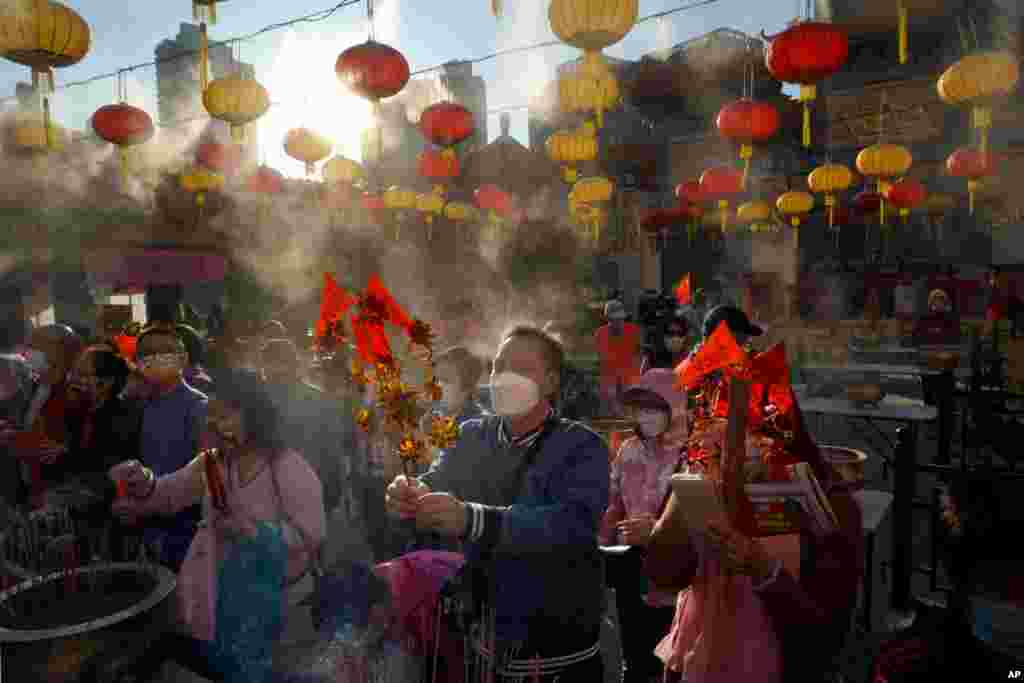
973	165
718	184
123	125
748	123
308	147
905	195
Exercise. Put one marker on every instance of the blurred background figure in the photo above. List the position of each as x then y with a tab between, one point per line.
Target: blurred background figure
618	344
578	396
459	371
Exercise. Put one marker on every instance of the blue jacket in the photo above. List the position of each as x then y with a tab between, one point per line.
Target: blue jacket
537	542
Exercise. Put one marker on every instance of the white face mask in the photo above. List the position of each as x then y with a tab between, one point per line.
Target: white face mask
651	423
513	395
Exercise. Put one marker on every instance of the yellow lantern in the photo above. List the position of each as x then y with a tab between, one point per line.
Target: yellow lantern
198	181
461	212
430	204
307	146
592	25
570	148
590	87
756	214
884	161
979	80
342	170
830	180
31	134
398	200
795	204
590	194
236	100
42	35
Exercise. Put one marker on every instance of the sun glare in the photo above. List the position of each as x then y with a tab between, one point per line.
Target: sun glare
307	93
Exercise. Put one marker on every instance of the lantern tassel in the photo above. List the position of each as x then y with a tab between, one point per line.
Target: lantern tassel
982	117
123	153
724	207
830	202
903	19
204	58
237	134
51	137
200	199
972	190
807	95
746	152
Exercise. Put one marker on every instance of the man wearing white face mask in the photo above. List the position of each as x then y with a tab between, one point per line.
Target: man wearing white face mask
640	480
538	486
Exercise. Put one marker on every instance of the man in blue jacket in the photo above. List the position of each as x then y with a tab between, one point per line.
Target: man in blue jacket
524	491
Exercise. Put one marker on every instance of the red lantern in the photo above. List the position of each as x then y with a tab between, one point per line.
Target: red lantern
840	215
218	157
868	203
905	195
747	123
265	180
689	192
493	198
438	167
123	125
806	53
657	221
373	70
972	164
720	183
446	124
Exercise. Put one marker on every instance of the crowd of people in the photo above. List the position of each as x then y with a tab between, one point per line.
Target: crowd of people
227	462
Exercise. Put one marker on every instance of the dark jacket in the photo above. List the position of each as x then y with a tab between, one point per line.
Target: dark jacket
538	536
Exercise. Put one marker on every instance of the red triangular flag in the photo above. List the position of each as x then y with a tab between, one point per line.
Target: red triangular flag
396	315
334	302
126	345
371	341
683	294
771	368
719	351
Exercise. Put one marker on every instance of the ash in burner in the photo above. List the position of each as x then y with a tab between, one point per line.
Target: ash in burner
52	605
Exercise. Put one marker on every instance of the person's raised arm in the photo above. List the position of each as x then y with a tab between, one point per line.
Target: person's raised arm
148	495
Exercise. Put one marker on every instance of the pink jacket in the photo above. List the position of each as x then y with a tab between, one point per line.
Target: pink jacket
300	504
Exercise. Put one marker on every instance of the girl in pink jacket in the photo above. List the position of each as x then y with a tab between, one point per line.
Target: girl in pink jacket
263	523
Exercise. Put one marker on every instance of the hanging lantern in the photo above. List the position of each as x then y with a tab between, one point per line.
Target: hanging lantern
589	88
304	145
218	157
439	168
594	193
461	212
430	204
905	195
571	148
718	184
592	25
123	125
42	35
265	180
869	203
236	100
446	124
496	202
199	181
374	205
795	204
830	180
973	165
937	205
805	53
747	123
689	192
884	161
31	135
755	214
980	80
204	12
372	70
341	170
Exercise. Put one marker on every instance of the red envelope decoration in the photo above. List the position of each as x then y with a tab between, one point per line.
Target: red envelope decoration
683	294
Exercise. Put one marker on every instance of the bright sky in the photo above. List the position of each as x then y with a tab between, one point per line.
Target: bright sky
297	65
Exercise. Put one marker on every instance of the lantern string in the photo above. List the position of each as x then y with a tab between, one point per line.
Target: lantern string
369	16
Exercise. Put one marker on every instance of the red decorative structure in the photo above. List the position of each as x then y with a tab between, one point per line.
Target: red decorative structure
719	184
747	123
806	53
446	124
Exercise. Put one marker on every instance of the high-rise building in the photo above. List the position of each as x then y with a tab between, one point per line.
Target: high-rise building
179	99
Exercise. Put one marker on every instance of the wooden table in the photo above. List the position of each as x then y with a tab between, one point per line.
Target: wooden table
911	415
